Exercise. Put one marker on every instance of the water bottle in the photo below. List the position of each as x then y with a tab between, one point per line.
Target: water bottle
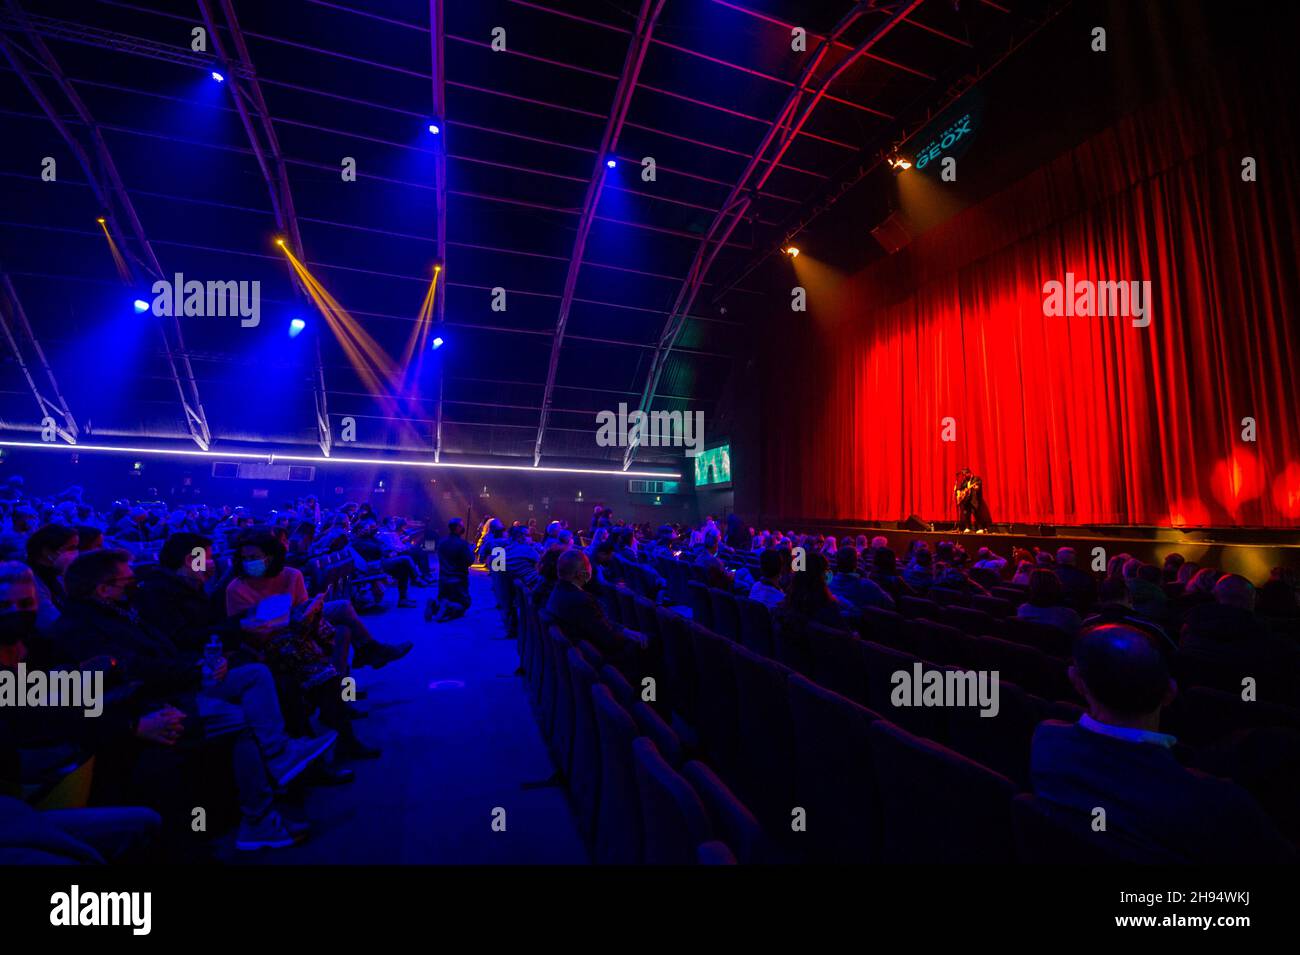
212	657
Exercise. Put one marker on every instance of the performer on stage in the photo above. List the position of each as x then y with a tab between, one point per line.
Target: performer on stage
968	494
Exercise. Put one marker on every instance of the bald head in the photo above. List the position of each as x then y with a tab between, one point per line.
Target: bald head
1233	590
574	567
1120	672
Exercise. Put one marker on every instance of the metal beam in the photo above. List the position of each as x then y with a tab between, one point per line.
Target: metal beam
636	52
55	407
799	106
101	172
256	119
436	41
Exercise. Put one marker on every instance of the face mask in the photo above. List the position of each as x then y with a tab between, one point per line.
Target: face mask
254	568
16	626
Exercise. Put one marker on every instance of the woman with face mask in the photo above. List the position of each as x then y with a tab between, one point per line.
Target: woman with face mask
50	550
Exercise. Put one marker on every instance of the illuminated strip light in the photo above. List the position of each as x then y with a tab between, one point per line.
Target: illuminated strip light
273	457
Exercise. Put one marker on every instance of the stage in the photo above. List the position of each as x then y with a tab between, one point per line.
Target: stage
1251	552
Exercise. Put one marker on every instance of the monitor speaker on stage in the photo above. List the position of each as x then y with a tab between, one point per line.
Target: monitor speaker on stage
914	523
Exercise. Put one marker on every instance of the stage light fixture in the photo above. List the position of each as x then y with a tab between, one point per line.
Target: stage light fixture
218	76
791	251
437	343
141	306
611	162
435	128
101	220
898	163
280	243
296	326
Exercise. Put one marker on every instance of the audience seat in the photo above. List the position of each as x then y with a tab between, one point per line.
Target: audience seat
1202	716
584	775
701	608
756	627
618	816
938	806
714	853
886	628
674	823
726	615
833	780
764	776
974	622
999	742
716	704
561	736
1043	637
913	607
678	665
994	606
945	596
880	664
837	661
1048	834
731	818
1031	669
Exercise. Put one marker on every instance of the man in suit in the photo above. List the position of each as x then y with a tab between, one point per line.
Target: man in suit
1080	587
581	616
1116	760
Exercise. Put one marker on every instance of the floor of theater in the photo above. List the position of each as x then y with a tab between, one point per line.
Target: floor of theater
459	740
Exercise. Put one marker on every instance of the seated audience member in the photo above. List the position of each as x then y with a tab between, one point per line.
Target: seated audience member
884	573
75	836
1114	605
89	538
1169	572
1276	599
547	576
1078	587
918	573
1228	632
240	702
50	550
709	557
365	542
1024	568
988	567
455	556
1044	603
1115	758
853	590
581	616
1146	593
952	577
767	589
809	599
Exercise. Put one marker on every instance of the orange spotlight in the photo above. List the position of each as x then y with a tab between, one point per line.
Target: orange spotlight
791	251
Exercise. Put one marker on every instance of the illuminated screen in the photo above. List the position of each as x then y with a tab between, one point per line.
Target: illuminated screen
713	466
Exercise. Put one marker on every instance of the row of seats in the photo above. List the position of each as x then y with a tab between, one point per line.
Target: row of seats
755	721
636	796
820	777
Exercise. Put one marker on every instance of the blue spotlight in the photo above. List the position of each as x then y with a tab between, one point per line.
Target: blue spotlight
435	128
296	326
611	162
141	306
437	343
219	77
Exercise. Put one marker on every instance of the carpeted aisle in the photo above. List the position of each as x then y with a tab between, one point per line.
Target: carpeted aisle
459	739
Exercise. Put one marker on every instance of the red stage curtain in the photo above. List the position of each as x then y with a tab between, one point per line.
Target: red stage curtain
1069	420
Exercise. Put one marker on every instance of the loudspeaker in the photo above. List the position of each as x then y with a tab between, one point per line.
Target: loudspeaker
914	523
895	232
